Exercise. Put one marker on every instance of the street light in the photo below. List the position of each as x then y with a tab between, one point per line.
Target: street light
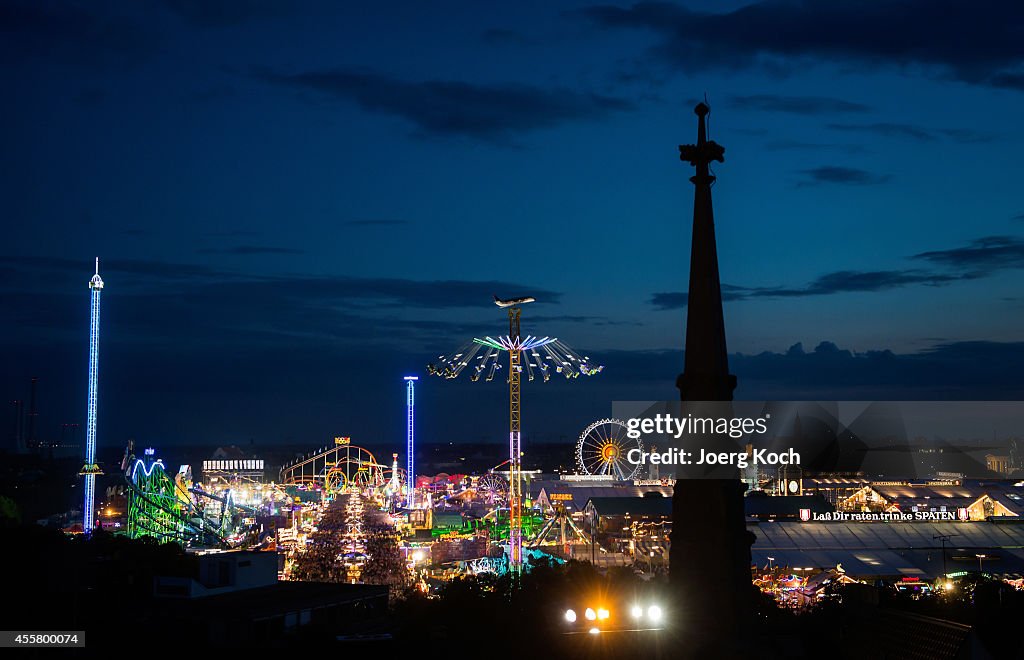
980	559
944	538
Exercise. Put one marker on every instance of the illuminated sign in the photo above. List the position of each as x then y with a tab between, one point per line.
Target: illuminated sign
806	515
227	466
560	497
344	440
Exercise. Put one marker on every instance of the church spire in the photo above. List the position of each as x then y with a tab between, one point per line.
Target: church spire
709	559
706	374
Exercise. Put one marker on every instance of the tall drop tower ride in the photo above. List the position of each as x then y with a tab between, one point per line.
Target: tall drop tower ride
90	469
410	437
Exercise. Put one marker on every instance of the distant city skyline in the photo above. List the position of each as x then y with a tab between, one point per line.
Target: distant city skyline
296	208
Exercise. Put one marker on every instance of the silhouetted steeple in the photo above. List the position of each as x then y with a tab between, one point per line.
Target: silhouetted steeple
709	559
706	374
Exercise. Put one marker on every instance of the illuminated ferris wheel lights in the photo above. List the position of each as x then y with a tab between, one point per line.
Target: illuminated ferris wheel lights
604	449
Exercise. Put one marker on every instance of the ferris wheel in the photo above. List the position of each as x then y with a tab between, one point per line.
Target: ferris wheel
603	449
493	487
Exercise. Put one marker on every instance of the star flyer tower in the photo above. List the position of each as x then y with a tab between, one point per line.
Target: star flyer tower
410	436
533	355
90	469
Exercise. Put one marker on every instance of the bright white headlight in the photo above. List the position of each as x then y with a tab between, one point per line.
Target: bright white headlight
590	614
637	611
654	613
570	616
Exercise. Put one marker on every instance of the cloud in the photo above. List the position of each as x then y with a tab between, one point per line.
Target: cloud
246	250
967	135
843	281
889	129
671	300
327	345
376	223
977	43
1008	80
979	258
849	281
303	392
953	370
454	108
797	105
965	370
1019	216
677	300
160	295
984	254
842	175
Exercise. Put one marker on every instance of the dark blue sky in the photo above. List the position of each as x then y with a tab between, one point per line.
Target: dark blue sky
296	204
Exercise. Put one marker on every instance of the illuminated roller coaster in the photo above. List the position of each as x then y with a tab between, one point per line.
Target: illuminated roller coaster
170	509
343	468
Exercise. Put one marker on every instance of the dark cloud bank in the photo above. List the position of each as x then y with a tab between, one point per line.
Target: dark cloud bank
973	42
448	107
190	354
978	259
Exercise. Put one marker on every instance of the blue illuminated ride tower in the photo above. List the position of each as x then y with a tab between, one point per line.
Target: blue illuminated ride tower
410	463
90	469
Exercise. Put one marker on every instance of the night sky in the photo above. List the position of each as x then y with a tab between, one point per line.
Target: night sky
297	204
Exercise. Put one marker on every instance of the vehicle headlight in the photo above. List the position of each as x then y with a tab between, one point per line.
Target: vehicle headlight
654	613
637	611
590	614
570	616
602	613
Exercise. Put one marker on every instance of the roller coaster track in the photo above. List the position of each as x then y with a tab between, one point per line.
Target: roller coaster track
165	510
336	468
